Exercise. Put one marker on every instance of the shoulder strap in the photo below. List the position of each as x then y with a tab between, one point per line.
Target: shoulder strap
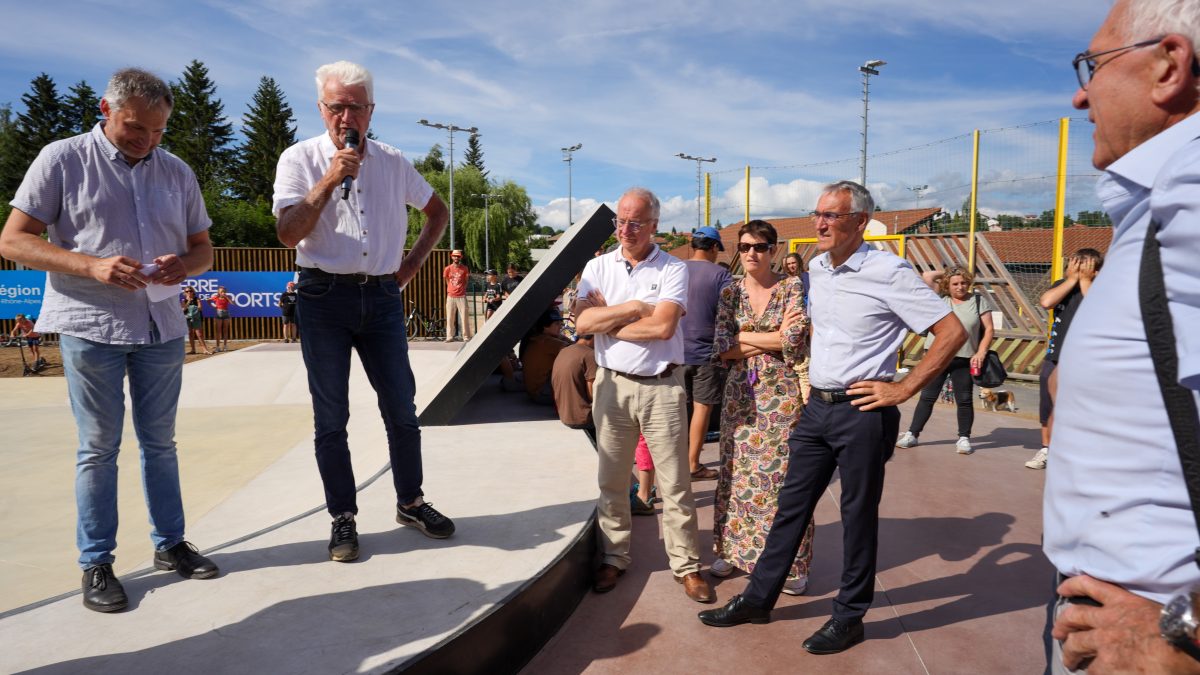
1178	400
979	313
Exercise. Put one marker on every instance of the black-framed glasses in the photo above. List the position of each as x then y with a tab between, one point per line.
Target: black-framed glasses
1085	62
629	225
830	215
760	247
336	109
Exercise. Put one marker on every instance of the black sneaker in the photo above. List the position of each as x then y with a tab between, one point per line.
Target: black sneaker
186	560
343	540
427	519
102	592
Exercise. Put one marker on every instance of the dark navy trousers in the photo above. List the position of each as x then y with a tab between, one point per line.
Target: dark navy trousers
858	444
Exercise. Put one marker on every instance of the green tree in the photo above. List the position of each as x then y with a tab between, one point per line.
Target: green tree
237	222
270	128
433	161
12	166
1093	219
474	155
42	122
198	131
81	110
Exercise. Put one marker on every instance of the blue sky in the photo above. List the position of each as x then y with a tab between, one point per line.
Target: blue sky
766	83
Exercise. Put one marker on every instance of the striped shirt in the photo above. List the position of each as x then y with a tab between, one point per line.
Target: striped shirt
94	203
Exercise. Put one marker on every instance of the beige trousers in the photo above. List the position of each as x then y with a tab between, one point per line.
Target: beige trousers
622	408
457	308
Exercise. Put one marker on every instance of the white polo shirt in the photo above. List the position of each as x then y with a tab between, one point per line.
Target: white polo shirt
366	233
661	277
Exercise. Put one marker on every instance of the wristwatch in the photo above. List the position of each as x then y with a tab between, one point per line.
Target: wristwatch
1178	623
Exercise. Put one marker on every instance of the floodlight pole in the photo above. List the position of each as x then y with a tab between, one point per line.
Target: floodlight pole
451	128
486	231
569	152
867	69
699	184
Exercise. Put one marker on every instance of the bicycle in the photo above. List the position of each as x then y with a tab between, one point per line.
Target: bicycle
417	323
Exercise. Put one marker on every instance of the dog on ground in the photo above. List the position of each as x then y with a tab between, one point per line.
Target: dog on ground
998	399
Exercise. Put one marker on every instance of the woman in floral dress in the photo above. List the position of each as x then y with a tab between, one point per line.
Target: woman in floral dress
762	332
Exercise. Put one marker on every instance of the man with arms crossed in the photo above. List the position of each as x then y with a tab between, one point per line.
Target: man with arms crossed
862	302
1118	522
121	215
630	301
352	268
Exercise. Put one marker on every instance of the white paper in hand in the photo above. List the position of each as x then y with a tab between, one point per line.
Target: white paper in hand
158	292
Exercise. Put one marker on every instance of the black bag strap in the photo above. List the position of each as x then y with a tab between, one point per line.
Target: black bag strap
979	313
1160	334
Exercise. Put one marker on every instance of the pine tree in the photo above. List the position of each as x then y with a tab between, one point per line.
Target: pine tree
198	131
12	170
43	121
270	128
474	155
81	110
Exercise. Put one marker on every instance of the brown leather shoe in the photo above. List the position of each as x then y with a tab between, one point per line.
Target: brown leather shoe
704	473
696	587
606	578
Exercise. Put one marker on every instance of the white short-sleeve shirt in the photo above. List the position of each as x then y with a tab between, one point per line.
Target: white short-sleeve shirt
661	277
366	233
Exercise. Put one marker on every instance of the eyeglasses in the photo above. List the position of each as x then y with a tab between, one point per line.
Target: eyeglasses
629	225
1085	62
830	215
760	247
356	109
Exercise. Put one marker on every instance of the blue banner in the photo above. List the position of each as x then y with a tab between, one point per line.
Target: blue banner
21	293
252	293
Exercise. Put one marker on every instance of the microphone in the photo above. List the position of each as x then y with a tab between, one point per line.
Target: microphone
352	143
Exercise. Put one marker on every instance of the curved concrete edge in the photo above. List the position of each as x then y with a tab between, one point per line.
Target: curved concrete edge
508	637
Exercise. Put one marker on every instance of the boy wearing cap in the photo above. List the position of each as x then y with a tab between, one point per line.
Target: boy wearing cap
456	275
703	375
493	294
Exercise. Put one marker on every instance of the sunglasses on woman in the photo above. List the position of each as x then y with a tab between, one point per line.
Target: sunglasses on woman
761	247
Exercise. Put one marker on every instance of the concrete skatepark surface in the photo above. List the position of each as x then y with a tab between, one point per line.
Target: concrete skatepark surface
961	583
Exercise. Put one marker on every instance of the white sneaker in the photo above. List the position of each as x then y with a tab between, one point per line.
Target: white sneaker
1039	460
963	446
907	440
720	568
796	586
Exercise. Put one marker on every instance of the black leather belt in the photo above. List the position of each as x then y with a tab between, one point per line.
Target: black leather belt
834	395
357	279
664	374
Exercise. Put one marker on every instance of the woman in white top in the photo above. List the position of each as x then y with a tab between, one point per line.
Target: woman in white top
974	311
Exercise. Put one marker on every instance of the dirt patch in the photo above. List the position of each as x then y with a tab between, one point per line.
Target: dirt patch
10	358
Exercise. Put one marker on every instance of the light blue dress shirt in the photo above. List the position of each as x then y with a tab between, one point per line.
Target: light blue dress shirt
861	311
1116	507
94	203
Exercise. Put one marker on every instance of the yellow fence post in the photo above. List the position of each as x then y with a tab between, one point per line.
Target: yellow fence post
707	197
1060	201
974	202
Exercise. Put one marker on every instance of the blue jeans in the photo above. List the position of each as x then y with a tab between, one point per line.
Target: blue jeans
95	378
335	318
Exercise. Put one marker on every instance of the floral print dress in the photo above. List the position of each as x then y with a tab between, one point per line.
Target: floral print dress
761	406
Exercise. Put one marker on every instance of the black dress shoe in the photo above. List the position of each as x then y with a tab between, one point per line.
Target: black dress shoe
102	592
736	611
186	560
835	636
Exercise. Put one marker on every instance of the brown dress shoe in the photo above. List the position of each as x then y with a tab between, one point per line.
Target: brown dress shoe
704	473
606	578
696	587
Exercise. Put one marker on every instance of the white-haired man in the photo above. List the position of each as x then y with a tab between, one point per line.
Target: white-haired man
1119	524
121	215
631	301
350	251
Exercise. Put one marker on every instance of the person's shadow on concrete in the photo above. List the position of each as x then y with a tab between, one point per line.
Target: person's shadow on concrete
350	631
